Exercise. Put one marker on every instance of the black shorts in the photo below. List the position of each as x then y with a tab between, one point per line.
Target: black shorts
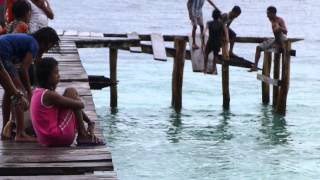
211	47
232	34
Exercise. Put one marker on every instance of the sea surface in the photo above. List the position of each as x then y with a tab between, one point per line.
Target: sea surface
149	141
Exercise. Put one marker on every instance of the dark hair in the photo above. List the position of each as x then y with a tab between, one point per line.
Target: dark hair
216	14
46	35
236	9
20	9
44	69
272	9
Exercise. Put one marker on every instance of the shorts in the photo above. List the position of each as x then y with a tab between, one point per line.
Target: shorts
211	47
269	43
196	20
232	34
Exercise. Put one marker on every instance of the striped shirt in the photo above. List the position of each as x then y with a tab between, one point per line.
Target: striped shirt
196	7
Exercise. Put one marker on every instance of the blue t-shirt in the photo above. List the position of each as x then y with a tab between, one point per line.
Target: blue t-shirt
14	47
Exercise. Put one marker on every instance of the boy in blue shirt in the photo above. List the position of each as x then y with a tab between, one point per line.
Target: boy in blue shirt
17	52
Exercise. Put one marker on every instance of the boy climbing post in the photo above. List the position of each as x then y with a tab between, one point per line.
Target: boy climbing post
195	15
279	30
227	19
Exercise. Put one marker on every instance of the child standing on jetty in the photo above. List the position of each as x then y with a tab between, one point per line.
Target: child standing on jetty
280	32
17	52
22	14
227	19
195	15
218	33
56	118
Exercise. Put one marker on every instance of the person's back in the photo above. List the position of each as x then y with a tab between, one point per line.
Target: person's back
22	14
216	33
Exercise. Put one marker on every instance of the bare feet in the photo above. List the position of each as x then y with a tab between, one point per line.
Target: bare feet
254	68
7	131
24	138
89	140
195	46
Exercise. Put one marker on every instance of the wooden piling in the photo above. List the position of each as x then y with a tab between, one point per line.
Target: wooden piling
285	82
113	53
266	72
177	74
225	86
276	75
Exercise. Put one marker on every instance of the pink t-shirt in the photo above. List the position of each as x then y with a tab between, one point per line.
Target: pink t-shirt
2	2
53	126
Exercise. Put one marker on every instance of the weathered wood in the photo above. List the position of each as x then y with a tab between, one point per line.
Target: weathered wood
96	34
266	76
225	86
268	80
159	51
134	36
114	43
105	176
276	75
177	74
113	78
285	79
70	33
197	56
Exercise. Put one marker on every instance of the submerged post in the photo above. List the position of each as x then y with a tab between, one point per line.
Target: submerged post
266	72
276	75
113	53
225	84
285	82
177	74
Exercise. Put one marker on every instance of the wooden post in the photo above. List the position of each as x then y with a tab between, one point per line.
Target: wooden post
285	82
276	75
177	74
225	85
266	72
113	53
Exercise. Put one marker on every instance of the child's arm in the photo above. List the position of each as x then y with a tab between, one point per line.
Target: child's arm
24	70
213	5
45	6
53	98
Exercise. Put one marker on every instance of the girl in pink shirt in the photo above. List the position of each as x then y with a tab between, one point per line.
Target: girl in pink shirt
57	118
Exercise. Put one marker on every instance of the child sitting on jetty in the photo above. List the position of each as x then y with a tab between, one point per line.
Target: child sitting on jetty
56	118
218	33
17	52
22	14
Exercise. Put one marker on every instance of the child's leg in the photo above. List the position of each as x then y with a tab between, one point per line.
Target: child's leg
83	136
194	43
214	63
6	110
206	55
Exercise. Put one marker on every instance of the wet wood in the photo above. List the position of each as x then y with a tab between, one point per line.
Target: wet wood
276	75
285	79
113	77
134	36
177	74
225	85
197	56
159	51
266	77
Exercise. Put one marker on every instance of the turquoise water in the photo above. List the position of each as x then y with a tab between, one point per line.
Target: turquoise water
149	140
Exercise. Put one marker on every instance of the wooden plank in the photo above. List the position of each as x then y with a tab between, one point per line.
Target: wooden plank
268	80
96	34
71	33
197	56
134	36
105	176
84	34
159	51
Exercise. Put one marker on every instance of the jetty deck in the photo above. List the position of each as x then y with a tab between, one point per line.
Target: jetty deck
29	160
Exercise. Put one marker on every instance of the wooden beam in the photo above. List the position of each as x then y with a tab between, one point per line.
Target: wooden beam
114	43
113	53
158	46
135	36
285	75
177	74
268	80
266	74
276	75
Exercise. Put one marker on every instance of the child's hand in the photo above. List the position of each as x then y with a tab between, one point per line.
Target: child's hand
91	127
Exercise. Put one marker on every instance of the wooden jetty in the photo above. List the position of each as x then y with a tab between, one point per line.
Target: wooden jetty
25	160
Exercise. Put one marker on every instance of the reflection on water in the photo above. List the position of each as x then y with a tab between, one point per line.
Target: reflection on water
273	127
